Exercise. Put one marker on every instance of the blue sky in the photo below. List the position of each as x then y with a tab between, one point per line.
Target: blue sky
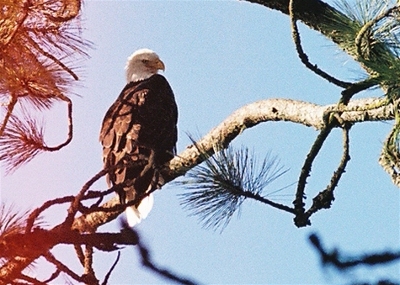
219	56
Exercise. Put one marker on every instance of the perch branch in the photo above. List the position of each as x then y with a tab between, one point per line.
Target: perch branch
299	112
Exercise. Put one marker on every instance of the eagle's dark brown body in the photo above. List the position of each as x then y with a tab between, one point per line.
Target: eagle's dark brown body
139	131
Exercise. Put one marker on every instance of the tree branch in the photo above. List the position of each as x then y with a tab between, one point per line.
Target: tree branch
343	262
270	110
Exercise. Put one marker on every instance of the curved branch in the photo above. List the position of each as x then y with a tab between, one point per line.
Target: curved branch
270	110
303	56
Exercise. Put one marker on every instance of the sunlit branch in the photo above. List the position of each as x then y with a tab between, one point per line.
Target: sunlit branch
80	254
67	11
17	25
389	158
88	265
269	110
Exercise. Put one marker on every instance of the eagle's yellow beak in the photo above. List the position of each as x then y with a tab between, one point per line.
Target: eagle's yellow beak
157	65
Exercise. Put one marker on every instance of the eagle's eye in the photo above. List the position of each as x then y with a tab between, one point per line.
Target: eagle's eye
145	61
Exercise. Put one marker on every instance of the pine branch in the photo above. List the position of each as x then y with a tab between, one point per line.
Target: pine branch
39	40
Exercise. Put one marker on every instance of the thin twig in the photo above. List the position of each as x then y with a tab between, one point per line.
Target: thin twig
31	280
53	276
78	198
108	275
60	266
303	56
325	198
335	258
10	108
305	172
343	162
70	126
355	88
52	57
35	214
264	200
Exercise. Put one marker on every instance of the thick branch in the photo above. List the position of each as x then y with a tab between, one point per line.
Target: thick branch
304	113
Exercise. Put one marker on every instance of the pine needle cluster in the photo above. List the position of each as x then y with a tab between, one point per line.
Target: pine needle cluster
217	188
40	43
21	141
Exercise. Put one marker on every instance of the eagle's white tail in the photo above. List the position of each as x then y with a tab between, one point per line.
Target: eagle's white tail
136	215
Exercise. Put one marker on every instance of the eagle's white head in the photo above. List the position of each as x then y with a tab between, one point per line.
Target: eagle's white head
142	64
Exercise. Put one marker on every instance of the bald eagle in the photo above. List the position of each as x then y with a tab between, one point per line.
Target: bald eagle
139	133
